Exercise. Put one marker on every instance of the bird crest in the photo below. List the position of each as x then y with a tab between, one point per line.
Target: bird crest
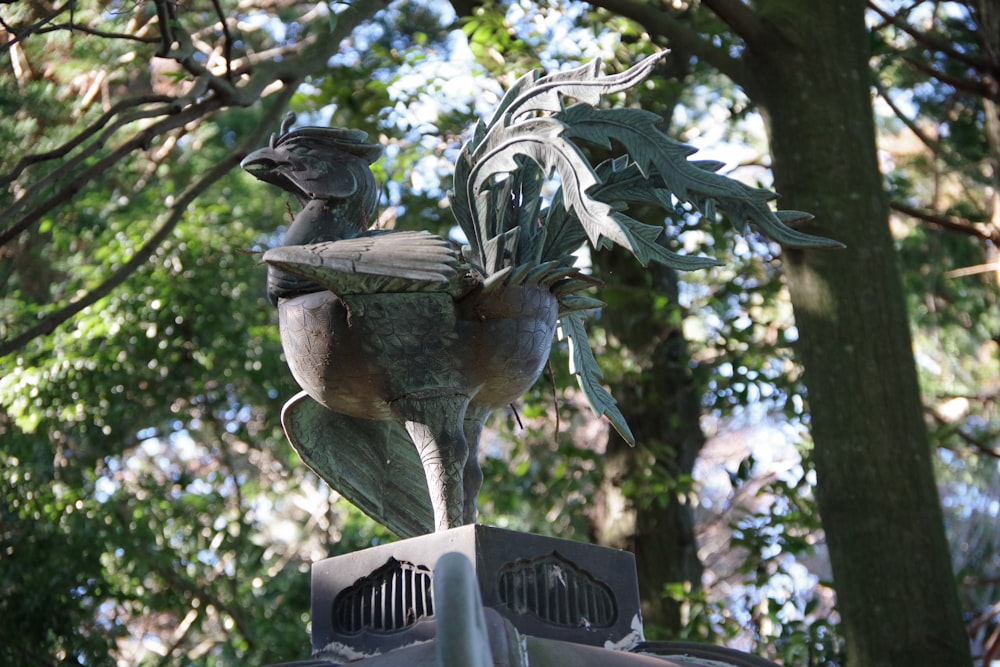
325	138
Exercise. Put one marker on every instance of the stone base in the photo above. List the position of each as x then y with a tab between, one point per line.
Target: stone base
373	601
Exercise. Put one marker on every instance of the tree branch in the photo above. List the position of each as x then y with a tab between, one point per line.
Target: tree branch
740	18
975	444
929	42
81	137
936	147
21	33
955	223
176	213
97	33
181	632
175	580
662	23
312	55
178	45
68	189
227	50
974	87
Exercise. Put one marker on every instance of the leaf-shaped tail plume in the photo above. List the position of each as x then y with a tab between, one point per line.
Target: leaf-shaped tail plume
656	153
586	84
533	135
588	374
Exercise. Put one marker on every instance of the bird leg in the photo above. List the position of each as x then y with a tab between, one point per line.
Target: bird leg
472	477
435	427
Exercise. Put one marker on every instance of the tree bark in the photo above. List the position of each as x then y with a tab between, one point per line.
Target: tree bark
875	483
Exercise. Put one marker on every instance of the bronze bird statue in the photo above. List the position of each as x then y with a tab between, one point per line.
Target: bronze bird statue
404	344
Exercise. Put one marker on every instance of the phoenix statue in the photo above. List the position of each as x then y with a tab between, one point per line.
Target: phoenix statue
404	343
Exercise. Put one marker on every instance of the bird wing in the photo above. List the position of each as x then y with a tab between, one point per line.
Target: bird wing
371	462
386	262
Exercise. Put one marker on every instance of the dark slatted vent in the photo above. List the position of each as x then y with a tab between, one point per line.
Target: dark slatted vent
557	592
389	599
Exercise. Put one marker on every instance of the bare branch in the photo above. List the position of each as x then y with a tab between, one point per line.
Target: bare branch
312	55
166	16
227	51
181	631
20	34
980	230
974	443
936	147
972	86
66	148
175	579
76	27
182	50
69	188
176	213
929	42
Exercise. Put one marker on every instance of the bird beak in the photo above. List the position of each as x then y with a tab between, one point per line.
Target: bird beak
259	163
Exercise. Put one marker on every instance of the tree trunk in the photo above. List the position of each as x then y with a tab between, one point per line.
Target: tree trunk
661	403
875	484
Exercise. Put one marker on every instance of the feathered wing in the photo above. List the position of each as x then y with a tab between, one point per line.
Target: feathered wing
533	134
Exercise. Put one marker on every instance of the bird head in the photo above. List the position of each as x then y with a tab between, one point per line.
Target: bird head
318	163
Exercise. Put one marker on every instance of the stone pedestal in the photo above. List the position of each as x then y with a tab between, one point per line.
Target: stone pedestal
478	596
380	599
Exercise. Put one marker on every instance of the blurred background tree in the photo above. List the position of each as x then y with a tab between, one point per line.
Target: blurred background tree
152	512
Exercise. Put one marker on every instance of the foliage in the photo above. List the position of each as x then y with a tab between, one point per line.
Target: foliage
144	475
152	512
